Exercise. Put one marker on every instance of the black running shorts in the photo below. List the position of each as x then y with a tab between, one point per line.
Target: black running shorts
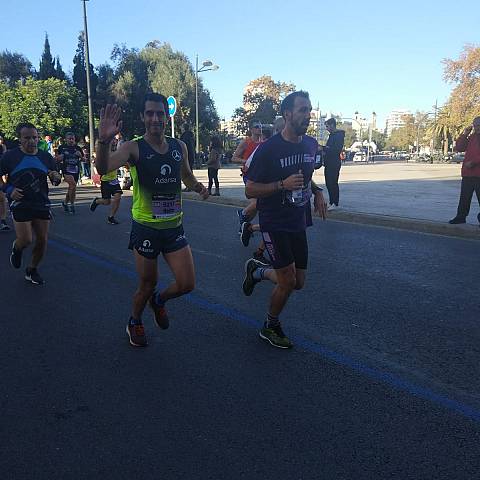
150	242
74	175
285	248
108	190
28	214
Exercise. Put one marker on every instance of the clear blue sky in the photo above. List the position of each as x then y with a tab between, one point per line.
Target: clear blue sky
367	56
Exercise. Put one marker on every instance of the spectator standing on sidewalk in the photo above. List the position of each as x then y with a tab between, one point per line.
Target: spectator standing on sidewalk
469	142
214	165
332	161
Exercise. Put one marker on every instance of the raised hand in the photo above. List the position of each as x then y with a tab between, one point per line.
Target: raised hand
110	123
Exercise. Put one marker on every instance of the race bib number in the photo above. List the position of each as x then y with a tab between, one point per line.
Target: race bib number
299	198
166	206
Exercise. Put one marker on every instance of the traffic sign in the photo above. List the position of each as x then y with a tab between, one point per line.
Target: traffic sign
172	105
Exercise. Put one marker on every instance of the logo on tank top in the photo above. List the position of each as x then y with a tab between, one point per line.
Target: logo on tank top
165	172
177	156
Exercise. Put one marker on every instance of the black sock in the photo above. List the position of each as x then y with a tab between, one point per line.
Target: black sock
272	321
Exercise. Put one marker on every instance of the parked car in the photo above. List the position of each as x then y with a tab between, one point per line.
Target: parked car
359	157
458	158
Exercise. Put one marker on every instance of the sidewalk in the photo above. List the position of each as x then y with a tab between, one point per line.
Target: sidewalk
413	196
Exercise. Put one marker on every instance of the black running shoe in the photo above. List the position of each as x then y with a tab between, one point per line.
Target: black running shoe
275	336
32	275
249	282
4	227
246	233
112	221
93	205
457	220
65	207
15	257
241	219
71	209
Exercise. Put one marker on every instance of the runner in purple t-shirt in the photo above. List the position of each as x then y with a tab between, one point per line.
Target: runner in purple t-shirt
280	177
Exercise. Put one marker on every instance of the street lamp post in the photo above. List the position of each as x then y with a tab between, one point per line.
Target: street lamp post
206	66
370	128
91	132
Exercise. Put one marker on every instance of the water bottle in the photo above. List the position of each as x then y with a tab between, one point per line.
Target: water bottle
297	195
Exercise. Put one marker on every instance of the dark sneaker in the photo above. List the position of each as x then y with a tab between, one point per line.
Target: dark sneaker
136	335
160	314
65	207
457	220
71	209
15	257
4	227
32	275
275	336
93	205
241	219
259	256
249	282
112	221
246	233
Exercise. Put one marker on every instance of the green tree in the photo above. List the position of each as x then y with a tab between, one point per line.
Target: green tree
52	105
59	73
159	68
47	63
14	67
464	102
79	77
262	99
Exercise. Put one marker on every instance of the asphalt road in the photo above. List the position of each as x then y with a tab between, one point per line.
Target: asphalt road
383	383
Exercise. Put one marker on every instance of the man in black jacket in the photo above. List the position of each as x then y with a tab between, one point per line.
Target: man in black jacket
332	161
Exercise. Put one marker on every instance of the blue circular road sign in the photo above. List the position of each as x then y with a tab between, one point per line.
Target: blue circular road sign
172	106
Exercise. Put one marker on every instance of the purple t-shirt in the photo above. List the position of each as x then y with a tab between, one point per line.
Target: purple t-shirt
275	160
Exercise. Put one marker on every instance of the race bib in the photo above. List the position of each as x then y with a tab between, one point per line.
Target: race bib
166	206
114	182
299	198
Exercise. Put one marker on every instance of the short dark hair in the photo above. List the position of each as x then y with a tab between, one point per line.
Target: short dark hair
23	125
216	143
155	97
332	122
70	134
289	101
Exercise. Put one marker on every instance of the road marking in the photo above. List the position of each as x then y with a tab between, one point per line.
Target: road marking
339	358
203	252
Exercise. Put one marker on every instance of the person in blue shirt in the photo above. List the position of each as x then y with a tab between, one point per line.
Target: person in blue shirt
280	177
26	170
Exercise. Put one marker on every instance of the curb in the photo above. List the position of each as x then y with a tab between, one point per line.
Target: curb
465	231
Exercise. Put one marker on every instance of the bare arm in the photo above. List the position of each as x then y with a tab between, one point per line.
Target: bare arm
110	124
188	178
239	151
260	190
106	161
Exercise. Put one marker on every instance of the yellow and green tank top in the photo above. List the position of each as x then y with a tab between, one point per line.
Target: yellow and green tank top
157	185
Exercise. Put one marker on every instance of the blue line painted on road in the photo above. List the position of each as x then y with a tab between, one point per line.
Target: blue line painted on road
336	357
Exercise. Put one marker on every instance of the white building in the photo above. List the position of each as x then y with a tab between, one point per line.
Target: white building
396	119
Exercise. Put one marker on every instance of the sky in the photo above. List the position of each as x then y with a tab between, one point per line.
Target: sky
363	56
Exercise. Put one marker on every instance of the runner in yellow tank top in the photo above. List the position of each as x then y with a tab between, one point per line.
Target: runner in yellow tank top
158	165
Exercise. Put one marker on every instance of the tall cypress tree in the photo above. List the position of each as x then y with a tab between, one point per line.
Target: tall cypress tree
79	74
47	63
59	73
